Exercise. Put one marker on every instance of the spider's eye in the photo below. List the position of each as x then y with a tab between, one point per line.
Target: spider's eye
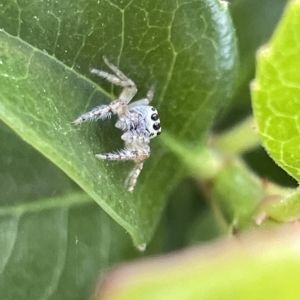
156	126
154	117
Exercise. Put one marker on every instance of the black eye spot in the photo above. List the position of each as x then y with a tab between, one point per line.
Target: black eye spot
152	108
156	126
154	117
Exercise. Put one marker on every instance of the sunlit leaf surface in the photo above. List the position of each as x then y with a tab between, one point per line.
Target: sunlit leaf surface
276	99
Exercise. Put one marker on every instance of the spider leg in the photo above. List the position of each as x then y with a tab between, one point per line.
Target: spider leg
129	87
150	93
144	101
136	155
136	141
113	78
125	154
100	112
140	102
118	72
133	175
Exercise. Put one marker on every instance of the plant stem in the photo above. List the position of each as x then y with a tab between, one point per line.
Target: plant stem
242	137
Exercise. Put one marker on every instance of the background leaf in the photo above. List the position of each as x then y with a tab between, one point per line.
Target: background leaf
186	48
257	266
276	92
254	21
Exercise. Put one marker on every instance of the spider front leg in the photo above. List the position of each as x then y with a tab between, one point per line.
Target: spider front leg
101	112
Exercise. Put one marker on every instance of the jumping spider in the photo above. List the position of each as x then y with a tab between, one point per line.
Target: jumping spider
138	120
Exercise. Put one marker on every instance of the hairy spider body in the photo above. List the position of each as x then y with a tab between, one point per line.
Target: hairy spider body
139	121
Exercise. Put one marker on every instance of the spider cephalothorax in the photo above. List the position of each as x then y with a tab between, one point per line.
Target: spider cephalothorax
138	120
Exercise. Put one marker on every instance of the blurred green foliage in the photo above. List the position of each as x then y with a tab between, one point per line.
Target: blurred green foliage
63	259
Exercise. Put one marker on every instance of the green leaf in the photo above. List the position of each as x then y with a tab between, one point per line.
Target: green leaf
275	92
25	175
264	265
55	251
186	48
54	239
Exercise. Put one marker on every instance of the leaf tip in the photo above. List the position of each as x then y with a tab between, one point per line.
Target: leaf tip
142	247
